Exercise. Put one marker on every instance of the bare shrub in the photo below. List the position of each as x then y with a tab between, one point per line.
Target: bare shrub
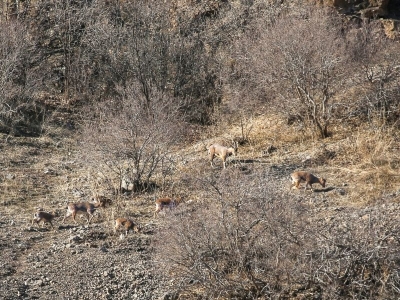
230	245
59	53
19	114
173	62
378	78
299	64
133	141
252	241
357	258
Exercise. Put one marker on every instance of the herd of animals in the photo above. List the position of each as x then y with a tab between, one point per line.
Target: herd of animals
88	208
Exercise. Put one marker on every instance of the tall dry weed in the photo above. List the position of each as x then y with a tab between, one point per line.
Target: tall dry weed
370	160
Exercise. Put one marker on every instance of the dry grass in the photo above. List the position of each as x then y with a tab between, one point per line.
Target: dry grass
370	160
361	167
363	162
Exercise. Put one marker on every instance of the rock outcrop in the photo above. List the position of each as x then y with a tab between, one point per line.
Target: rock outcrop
366	8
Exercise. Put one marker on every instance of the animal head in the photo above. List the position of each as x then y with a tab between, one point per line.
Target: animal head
137	228
101	201
232	151
235	147
322	182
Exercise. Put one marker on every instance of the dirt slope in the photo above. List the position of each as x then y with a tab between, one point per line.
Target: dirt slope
79	261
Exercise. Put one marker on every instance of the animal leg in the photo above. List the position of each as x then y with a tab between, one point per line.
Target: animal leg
90	217
212	160
73	217
293	185
66	216
297	184
158	209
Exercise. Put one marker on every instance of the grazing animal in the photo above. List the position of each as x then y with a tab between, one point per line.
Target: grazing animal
44	217
81	208
222	152
103	200
127	224
161	203
308	178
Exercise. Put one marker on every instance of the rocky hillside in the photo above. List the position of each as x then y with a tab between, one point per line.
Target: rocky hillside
86	261
122	99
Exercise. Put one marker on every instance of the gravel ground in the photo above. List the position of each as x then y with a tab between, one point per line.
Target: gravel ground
74	262
79	261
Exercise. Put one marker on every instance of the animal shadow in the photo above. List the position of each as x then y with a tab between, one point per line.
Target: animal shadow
325	190
40	229
66	227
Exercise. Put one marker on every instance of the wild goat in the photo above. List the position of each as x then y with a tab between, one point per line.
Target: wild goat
308	178
127	224
222	152
103	200
82	208
44	217
161	203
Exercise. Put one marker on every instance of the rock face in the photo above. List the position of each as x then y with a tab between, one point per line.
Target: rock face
392	28
367	9
387	10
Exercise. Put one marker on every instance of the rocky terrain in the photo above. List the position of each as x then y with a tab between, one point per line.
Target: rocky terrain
80	261
77	63
72	261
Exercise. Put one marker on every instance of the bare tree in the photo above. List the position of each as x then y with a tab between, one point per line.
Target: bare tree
59	50
376	58
172	61
134	141
18	111
298	63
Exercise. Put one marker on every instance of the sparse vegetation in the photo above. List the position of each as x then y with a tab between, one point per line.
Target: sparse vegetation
117	101
248	241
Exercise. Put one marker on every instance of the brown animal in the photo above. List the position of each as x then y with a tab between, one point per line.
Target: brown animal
86	208
103	200
222	152
44	217
161	203
127	224
308	178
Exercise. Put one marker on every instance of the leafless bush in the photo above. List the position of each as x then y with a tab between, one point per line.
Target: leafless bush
357	258
59	54
378	77
252	241
133	141
172	62
18	112
230	246
298	63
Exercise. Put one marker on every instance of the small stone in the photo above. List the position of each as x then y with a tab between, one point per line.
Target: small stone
75	238
39	282
10	176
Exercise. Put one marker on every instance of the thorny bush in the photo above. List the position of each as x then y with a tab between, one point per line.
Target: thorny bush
252	241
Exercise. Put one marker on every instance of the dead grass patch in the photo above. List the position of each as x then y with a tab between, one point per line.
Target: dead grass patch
363	162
